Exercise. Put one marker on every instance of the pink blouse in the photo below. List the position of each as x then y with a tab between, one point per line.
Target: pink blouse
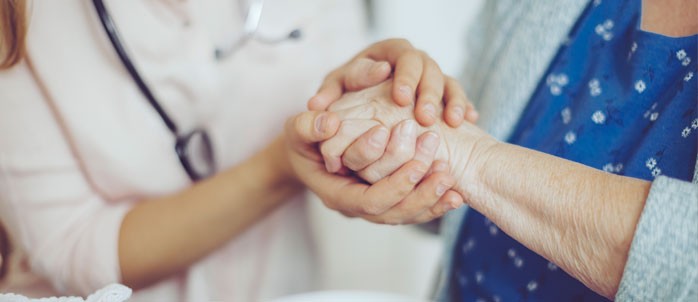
79	145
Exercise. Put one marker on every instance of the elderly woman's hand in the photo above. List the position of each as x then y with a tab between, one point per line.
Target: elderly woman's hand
398	199
373	157
363	145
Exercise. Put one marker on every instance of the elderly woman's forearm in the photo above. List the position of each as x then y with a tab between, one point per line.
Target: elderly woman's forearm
578	217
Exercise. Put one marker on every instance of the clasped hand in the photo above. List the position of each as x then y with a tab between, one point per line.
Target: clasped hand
375	161
380	141
366	153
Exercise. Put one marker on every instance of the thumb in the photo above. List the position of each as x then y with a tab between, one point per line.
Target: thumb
312	127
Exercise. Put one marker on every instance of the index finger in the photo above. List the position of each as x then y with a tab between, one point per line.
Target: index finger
357	74
408	71
383	195
330	90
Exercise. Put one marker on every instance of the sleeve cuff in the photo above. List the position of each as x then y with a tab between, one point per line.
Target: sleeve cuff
663	260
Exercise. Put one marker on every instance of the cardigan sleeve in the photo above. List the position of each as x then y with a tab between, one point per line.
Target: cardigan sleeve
663	260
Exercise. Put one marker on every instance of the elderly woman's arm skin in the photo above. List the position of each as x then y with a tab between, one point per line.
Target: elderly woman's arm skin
578	217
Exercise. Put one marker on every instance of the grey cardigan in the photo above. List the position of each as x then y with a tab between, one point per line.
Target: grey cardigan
510	48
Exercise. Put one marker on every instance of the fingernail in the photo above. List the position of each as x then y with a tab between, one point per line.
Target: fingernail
415	176
458	112
408	128
441	189
456	205
430	110
430	142
379	137
321	123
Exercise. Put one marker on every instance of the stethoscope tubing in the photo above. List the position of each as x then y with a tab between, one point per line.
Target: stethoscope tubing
114	38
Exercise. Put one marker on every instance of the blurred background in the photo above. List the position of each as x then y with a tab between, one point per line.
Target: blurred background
354	254
357	255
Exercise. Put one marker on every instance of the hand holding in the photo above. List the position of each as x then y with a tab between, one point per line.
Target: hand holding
397	199
362	145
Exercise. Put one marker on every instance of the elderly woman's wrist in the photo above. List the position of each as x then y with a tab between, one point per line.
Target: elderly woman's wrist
470	151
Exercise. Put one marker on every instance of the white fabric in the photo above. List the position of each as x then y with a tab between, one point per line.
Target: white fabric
109	293
75	157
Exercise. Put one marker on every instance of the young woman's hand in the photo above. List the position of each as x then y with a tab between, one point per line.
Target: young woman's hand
414	73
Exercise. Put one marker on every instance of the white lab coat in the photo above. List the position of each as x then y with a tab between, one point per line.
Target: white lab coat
79	144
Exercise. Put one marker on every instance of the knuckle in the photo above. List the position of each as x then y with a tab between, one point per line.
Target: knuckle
404	153
391	151
437	210
431	63
429	94
353	78
350	163
432	212
328	150
399	152
370	175
356	161
403	190
325	149
367	153
440	178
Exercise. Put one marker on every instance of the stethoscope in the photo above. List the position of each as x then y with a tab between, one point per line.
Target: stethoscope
250	28
193	148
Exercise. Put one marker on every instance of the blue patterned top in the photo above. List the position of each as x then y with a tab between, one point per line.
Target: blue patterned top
615	98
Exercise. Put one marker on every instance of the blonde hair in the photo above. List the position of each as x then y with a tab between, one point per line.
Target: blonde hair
4	252
13	32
